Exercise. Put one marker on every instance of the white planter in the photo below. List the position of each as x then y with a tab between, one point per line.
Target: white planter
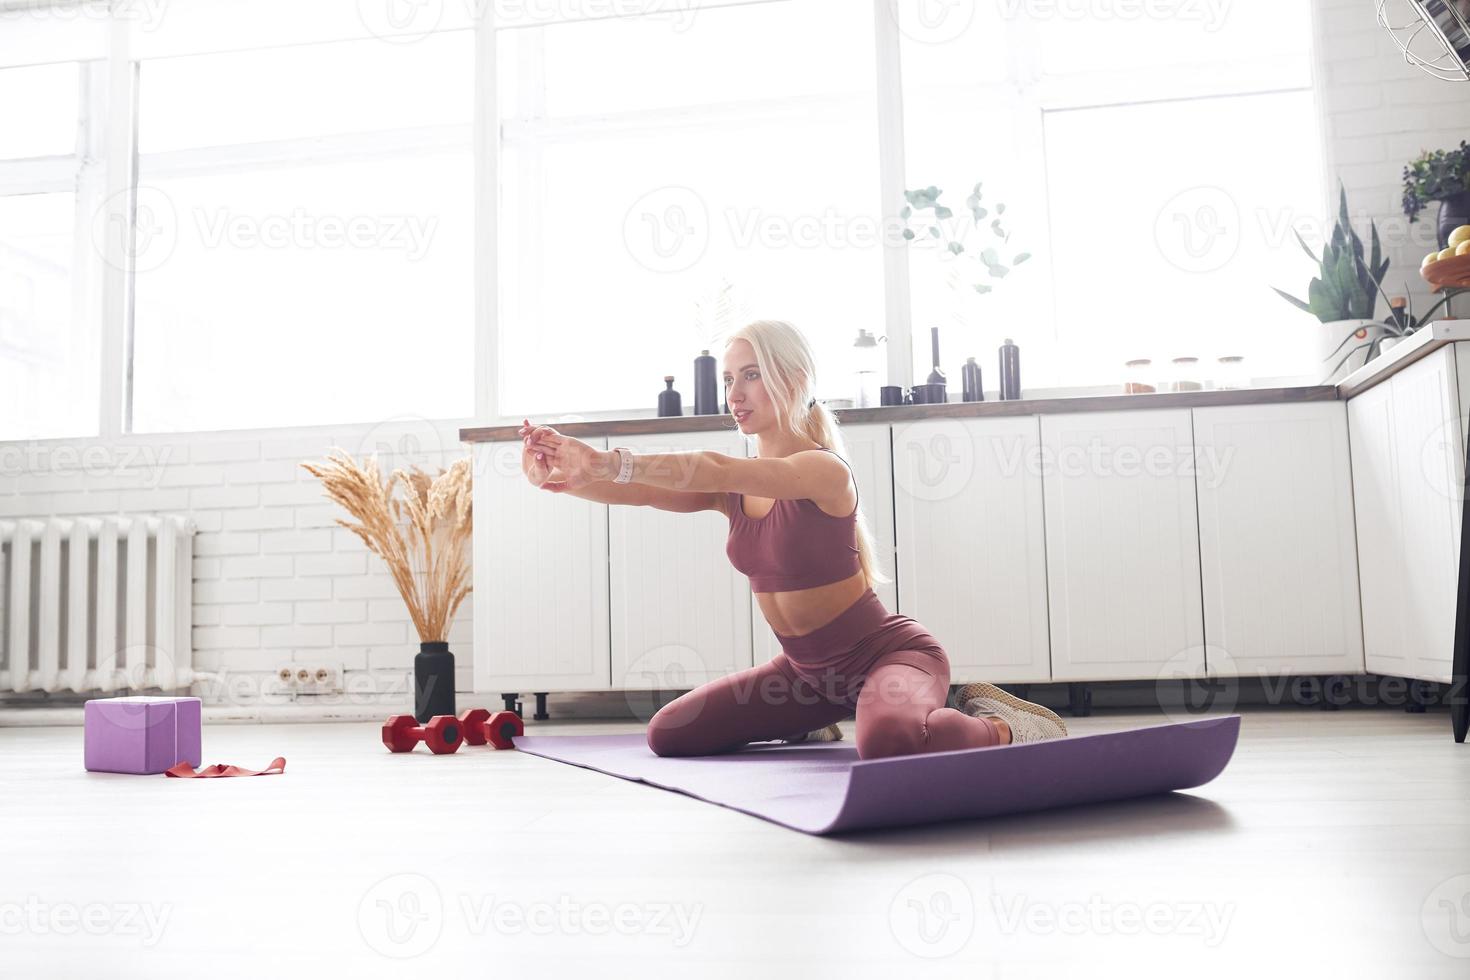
1332	335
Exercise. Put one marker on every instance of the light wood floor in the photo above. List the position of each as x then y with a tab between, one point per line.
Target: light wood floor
1335	844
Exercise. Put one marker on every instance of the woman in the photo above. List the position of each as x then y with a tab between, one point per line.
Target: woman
797	531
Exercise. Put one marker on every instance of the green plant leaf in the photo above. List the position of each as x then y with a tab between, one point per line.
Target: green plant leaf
980	214
1310	254
908	234
956	248
1428	313
1345	358
1020	257
989	256
907	210
1345	341
933	232
941	212
1324	307
981	288
999	271
1000	209
1293	300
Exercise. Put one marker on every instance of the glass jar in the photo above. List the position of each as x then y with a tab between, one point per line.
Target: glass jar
867	366
1230	371
1138	376
1186	374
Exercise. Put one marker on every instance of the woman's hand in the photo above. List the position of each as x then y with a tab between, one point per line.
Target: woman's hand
533	462
578	463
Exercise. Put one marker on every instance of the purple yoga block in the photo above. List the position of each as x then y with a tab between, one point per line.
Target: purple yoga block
141	735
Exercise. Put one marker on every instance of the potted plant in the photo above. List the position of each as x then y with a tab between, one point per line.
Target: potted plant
429	564
971	271
1345	290
1380	337
1443	176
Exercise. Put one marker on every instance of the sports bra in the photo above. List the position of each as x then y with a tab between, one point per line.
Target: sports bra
797	545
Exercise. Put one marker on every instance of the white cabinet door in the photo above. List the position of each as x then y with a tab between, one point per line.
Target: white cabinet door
971	548
540	581
868	453
1431	447
1122	545
1381	578
680	611
1277	555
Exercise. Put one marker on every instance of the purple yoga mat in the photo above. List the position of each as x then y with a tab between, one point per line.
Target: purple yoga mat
823	788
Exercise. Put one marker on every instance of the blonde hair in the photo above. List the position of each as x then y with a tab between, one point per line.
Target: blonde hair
789	372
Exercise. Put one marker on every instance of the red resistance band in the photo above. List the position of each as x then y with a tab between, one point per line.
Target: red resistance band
185	771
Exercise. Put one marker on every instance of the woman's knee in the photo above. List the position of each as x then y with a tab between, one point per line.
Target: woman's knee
671	732
891	735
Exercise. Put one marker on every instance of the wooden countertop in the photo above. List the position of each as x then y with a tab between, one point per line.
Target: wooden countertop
1424	341
1381	368
951	410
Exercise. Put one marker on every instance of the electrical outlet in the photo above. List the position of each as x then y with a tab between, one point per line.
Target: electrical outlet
310	678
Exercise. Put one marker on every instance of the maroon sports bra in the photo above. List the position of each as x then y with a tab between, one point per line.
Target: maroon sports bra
797	545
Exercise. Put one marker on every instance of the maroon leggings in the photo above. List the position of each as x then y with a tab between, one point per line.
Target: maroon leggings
883	667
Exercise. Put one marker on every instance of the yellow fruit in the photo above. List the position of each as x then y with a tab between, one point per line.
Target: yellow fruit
1446	253
1431	257
1459	236
1463	248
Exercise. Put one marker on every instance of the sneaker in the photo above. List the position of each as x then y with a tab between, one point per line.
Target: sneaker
1029	722
829	734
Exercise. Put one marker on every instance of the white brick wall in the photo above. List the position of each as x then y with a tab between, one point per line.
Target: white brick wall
1378	114
276	580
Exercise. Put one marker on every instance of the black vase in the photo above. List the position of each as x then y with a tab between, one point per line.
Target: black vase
1454	211
706	388
433	681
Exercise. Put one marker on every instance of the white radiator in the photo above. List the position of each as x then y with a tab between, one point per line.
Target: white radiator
96	603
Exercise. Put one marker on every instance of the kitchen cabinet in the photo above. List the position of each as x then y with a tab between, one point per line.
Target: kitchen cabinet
971	546
1122	545
1408	447
1277	555
540	581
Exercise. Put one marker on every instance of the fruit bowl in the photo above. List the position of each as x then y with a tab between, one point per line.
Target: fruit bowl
1451	272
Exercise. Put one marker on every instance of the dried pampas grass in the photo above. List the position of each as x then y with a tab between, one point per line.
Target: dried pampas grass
429	564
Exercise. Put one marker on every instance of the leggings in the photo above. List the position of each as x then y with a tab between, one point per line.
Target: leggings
884	668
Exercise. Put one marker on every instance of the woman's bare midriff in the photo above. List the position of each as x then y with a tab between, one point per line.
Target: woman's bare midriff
803	611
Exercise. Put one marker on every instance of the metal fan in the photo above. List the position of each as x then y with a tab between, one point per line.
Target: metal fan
1434	35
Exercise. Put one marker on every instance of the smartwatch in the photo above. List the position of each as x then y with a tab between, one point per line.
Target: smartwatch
625	464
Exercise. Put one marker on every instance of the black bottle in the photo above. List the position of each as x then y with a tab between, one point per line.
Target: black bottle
706	390
433	681
970	389
936	376
669	402
1010	370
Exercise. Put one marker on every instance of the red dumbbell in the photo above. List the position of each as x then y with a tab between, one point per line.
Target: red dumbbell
443	734
501	728
473	722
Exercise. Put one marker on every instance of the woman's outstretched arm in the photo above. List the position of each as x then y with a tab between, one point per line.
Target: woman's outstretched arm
542	474
813	474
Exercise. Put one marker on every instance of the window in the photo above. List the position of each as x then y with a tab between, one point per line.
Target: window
1153	159
647	160
306	247
304	229
48	266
